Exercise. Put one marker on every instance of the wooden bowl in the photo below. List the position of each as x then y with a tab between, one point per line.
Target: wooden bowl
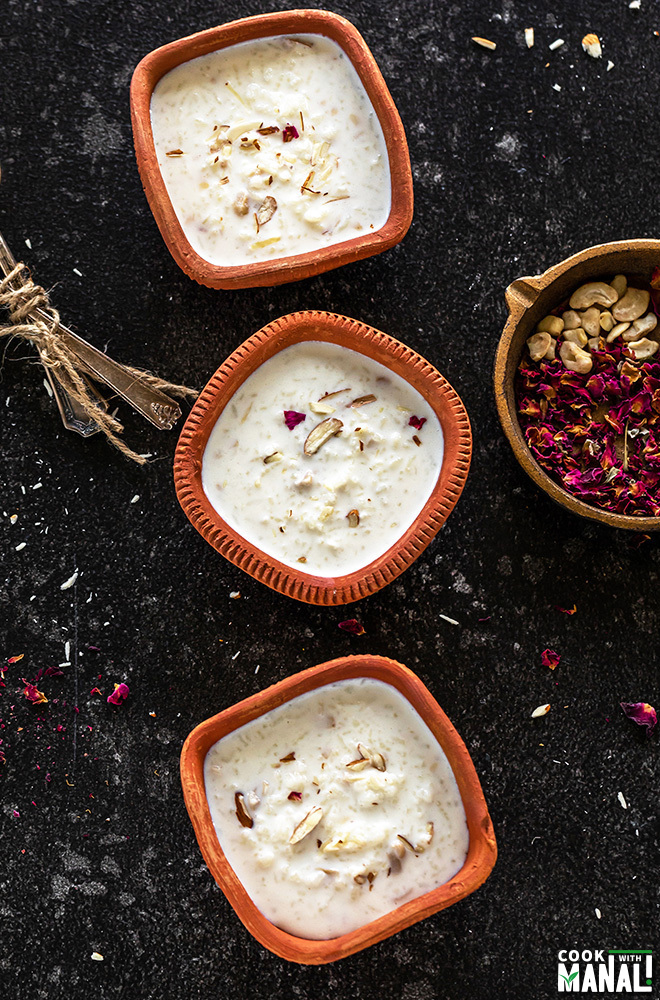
281	333
297	266
482	850
529	299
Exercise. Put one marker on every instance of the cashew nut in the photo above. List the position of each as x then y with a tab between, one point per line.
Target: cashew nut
594	343
578	337
643	348
633	305
538	345
551	324
594	292
590	321
606	321
645	324
574	358
550	353
241	204
571	320
616	331
619	284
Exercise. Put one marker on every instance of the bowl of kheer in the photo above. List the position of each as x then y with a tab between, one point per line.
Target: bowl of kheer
270	149
323	457
336	808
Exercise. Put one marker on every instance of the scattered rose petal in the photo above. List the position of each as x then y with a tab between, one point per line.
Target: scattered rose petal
566	611
119	694
541	710
549	658
642	713
417	422
96	691
33	694
292	418
15	659
53	672
352	625
17	814
295	796
290	132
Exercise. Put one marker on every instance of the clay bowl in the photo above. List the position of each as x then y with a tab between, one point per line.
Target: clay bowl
292	268
529	299
482	850
281	333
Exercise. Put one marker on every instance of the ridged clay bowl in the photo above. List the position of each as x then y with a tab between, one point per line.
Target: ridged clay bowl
295	267
350	333
482	850
529	299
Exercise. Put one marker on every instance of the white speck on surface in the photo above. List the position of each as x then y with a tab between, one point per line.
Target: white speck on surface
622	799
70	582
48	388
541	710
635	4
135	498
76	271
67	663
37	486
256	669
529	37
452	621
22	489
13	519
97	957
235	594
67	650
28	244
610	65
556	87
557	44
21	546
236	655
598	913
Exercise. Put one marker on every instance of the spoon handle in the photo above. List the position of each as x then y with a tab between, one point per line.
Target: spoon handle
74	417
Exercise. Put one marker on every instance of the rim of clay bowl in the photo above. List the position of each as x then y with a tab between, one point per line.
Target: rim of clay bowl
482	849
296	266
528	300
291	329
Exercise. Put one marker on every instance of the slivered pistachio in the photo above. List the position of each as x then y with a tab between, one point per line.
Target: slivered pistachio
406	843
306	825
266	210
353	517
322	433
375	759
276	456
242	813
363	400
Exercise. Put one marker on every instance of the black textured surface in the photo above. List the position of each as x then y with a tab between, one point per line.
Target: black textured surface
510	176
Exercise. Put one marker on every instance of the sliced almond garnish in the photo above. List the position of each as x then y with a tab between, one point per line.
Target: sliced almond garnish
406	843
359	764
276	456
359	879
289	757
308	180
321	408
353	518
266	210
485	43
328	395
362	400
174	152
375	759
306	825
268	130
322	433
242	813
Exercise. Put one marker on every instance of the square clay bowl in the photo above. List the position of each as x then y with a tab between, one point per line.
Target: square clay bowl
482	849
281	333
294	267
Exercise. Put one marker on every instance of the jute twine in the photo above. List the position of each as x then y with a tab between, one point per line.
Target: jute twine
21	297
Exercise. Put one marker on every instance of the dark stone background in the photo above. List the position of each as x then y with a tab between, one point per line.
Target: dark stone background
510	176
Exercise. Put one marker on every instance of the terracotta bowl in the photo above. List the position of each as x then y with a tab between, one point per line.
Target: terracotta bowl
529	299
482	850
281	333
292	268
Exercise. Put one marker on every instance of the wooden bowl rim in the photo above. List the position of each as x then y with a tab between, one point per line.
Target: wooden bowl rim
520	295
296	266
482	850
322	326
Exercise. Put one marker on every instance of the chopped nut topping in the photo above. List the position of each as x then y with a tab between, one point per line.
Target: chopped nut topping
328	395
406	843
289	757
362	400
375	759
241	204
242	813
305	186
485	43
416	440
306	825
322	433
276	456
353	518
321	408
268	130
266	210
174	152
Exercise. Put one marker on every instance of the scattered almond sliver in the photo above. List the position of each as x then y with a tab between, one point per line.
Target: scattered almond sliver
485	43
541	710
591	45
529	37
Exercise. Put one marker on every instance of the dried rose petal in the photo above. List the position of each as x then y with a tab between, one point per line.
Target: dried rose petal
53	672
549	658
292	418
417	422
295	796
15	659
119	694
96	691
352	625
642	713
33	694
566	611
290	132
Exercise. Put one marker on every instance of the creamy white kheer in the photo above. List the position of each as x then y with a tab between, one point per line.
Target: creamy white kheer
336	807
270	148
323	458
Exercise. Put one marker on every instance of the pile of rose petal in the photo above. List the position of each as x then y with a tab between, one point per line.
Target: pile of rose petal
596	434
